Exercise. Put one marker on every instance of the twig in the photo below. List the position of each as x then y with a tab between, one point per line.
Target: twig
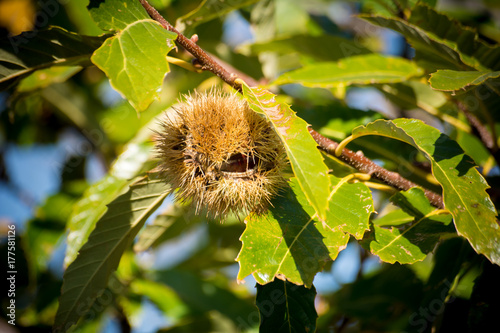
486	137
358	161
366	165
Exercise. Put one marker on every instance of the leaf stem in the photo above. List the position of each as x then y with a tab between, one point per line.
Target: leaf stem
342	145
183	64
380	187
358	176
437	212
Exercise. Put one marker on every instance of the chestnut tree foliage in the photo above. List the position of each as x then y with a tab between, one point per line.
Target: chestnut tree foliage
432	123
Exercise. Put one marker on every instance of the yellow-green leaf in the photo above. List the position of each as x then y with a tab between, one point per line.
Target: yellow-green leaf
305	159
135	61
362	69
464	188
289	243
448	80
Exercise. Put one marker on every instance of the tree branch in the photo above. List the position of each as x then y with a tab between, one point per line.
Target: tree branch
358	161
366	165
207	62
480	130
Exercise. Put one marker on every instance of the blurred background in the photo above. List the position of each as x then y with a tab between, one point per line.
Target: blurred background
62	129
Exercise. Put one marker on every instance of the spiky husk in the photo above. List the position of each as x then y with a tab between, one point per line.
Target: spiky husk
221	155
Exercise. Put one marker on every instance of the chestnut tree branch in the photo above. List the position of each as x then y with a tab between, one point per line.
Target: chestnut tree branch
357	161
207	62
364	164
481	131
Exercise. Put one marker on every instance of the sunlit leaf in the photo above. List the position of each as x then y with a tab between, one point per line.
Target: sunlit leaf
135	58
167	225
87	276
448	80
464	189
92	205
286	307
350	207
307	162
362	69
116	15
389	7
43	232
393	218
410	242
289	243
473	147
135	61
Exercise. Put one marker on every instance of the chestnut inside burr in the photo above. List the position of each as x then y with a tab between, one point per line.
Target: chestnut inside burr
239	164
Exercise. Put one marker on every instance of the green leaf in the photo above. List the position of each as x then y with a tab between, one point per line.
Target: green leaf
393	218
88	210
474	147
390	7
44	77
208	10
441	42
88	275
448	80
162	296
135	58
116	15
167	225
473	50
287	242
410	242
335	120
41	234
286	307
306	160
464	189
135	61
23	54
363	69
322	48
349	207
